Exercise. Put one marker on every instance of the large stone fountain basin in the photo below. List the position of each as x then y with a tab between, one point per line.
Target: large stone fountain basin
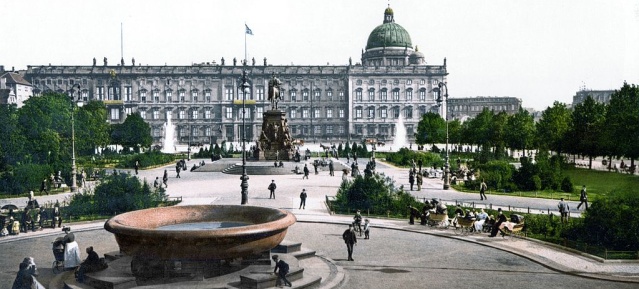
138	235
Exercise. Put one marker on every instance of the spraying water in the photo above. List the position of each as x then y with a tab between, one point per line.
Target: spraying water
400	139
169	131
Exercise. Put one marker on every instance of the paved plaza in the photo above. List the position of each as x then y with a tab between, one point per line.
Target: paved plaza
398	255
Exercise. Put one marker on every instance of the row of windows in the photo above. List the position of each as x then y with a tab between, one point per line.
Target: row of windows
395	95
383	112
395	82
511	107
295	130
381	129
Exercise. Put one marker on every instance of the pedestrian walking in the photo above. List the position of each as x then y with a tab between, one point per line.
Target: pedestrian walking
482	190
137	167
583	198
563	210
271	187
305	172
281	269
411	178
165	178
350	239
331	169
178	168
303	199
315	164
420	180
156	183
43	186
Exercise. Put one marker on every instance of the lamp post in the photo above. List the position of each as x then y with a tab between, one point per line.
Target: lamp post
438	89
74	88
244	86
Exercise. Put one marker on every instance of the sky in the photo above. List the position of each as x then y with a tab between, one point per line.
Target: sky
540	51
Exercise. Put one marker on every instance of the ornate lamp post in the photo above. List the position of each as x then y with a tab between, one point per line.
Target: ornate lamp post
244	86
438	89
75	88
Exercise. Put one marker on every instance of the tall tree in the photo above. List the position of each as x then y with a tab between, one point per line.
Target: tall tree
553	126
12	140
588	119
431	129
91	127
133	133
46	122
520	130
479	128
498	133
622	121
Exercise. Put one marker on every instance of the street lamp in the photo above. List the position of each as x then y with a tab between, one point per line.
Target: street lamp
438	89
75	88
244	86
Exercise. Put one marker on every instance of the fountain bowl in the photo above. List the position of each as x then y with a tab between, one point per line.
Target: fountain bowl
137	232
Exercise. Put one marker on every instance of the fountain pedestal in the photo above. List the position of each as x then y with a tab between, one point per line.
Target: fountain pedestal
275	140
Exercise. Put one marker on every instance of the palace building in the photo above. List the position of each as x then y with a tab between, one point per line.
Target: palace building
326	104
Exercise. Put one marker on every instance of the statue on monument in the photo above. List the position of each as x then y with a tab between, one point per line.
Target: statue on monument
274	91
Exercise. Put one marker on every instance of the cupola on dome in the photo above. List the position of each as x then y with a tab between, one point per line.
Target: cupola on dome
389	34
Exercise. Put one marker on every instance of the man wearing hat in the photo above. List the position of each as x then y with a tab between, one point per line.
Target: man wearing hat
303	199
350	239
272	188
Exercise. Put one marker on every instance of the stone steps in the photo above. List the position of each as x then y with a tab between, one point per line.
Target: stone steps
257	275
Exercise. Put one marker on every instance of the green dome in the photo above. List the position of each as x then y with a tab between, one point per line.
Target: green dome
387	35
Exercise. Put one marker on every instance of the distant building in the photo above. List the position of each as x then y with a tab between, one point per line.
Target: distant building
14	89
470	107
600	96
326	104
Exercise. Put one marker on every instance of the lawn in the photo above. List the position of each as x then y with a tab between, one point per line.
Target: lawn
602	183
598	184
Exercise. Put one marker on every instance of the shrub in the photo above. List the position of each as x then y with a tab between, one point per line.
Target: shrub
567	186
24	178
116	194
147	159
377	194
405	156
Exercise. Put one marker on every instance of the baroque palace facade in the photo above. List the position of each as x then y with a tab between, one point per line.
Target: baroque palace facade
323	103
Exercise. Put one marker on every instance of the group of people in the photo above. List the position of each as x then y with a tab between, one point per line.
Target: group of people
32	217
350	235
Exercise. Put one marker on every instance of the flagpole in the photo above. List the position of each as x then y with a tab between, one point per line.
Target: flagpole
245	32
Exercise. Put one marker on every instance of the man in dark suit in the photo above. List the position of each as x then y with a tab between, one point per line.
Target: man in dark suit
350	239
281	268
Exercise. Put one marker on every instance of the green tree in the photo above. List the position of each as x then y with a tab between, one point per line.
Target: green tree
455	132
133	133
498	134
553	126
622	121
91	128
12	140
520	130
588	120
431	129
45	122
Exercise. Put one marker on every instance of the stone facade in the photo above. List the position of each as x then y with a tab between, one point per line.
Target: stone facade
324	104
469	107
600	96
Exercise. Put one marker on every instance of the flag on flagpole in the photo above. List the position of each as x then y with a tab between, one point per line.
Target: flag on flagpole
248	30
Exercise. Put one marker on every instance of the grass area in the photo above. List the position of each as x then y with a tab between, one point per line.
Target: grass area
599	184
602	183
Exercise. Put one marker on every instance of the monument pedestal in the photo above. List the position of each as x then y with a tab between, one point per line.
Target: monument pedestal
275	142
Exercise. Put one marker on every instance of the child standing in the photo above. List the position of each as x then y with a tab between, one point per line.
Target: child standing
367	227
